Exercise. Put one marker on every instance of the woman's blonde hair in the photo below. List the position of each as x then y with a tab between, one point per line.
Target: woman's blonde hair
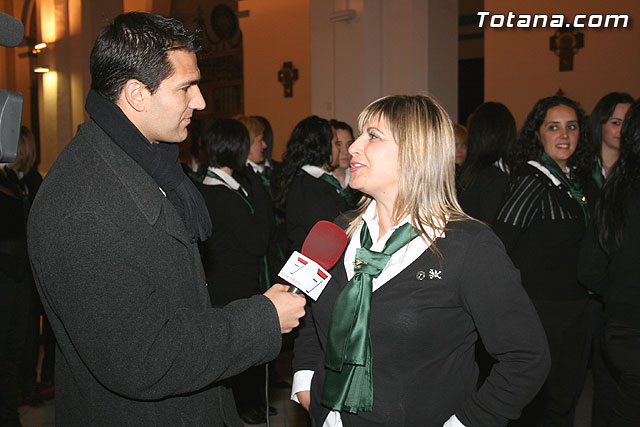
426	155
254	126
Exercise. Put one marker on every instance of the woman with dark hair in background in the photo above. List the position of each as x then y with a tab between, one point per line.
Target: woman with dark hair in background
233	257
608	266
342	142
481	183
344	139
267	137
605	123
306	189
541	222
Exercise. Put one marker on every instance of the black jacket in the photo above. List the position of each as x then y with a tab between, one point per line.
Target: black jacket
125	292
233	255
424	325
614	274
483	197
308	201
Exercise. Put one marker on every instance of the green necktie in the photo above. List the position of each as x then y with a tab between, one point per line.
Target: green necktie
597	176
574	187
265	177
336	184
348	382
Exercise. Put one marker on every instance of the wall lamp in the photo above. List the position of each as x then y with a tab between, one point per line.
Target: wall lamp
37	48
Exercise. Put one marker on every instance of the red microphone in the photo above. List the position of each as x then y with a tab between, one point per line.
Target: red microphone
322	248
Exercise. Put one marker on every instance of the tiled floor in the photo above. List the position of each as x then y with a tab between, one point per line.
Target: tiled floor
290	414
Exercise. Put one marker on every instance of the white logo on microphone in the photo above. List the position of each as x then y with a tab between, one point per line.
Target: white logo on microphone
305	274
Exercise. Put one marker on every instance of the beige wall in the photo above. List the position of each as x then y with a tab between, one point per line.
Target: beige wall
276	31
70	27
390	47
520	68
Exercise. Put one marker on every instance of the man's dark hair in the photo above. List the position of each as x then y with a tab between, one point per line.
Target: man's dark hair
226	143
135	46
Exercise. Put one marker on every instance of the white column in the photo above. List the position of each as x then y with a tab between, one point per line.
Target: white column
390	47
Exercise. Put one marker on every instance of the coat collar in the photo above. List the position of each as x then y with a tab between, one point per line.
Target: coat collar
143	189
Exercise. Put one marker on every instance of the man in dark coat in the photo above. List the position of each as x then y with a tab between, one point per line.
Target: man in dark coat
113	243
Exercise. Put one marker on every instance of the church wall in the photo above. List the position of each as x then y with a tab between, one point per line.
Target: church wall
276	31
520	68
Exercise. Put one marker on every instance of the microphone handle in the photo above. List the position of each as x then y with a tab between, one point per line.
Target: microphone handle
294	290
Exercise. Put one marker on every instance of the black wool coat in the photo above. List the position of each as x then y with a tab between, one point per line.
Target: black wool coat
125	291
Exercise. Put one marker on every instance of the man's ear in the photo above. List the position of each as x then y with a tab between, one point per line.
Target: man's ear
136	94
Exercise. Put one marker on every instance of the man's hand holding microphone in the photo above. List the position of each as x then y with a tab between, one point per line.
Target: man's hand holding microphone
307	273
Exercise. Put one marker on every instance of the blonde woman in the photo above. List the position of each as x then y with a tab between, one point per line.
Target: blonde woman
391	340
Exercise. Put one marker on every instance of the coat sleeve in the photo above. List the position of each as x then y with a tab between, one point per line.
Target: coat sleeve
129	331
510	329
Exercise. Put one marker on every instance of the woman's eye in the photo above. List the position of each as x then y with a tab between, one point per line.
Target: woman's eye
553	127
572	127
616	123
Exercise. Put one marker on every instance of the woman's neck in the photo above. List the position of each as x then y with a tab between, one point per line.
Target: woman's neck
227	170
340	174
609	157
384	213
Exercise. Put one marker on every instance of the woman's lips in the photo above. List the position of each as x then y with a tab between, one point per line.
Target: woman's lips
354	166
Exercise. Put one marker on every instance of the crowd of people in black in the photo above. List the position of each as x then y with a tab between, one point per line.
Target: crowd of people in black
539	190
560	195
529	239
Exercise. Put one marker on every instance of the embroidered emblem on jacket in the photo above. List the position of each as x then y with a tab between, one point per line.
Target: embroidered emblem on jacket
420	275
434	274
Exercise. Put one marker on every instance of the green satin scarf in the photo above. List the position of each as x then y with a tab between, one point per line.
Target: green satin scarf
348	384
574	187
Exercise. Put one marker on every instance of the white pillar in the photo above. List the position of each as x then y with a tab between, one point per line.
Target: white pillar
390	47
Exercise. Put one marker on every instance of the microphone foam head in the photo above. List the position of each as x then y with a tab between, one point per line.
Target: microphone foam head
325	244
